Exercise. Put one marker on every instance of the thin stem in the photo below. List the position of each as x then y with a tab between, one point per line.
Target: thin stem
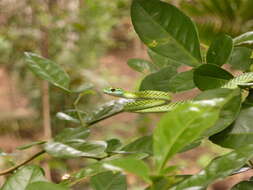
10	170
76	108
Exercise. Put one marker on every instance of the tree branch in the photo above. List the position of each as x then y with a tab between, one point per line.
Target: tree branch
12	169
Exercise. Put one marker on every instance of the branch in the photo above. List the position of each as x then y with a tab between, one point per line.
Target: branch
10	170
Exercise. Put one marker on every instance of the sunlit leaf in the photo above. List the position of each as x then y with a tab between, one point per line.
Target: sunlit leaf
108	181
135	166
239	134
166	30
219	168
48	70
23	177
229	110
71	143
42	185
76	148
106	110
182	126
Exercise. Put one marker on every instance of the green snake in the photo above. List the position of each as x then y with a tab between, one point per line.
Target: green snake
144	101
158	101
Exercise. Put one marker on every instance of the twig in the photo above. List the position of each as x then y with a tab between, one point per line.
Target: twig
76	108
10	170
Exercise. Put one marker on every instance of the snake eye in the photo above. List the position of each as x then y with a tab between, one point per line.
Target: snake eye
113	89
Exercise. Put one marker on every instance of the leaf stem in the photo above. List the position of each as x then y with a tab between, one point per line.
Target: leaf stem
12	169
76	108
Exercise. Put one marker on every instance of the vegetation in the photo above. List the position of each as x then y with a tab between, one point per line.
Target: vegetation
221	112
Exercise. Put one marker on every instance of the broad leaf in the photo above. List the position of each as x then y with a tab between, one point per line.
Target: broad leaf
48	70
76	148
135	166
219	168
42	185
143	144
141	65
113	145
106	110
182	126
243	185
240	58
23	177
85	172
108	181
66	117
210	76
158	80
229	110
239	134
166	30
181	82
245	39
71	143
70	134
220	50
162	61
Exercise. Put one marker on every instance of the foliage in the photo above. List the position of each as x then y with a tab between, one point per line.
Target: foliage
222	111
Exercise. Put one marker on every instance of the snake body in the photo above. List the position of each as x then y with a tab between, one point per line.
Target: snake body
144	101
158	101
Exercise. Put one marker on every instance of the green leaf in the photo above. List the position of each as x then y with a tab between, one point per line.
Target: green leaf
210	76
143	144
106	110
42	185
76	148
113	145
182	126
26	146
166	30
66	117
83	173
239	134
70	134
220	50
71	143
132	165
141	65
219	168
48	70
240	58
229	110
243	185
23	177
245	39
108	181
181	82
162	61
158	80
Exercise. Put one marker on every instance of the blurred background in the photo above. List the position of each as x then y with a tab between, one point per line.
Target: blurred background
92	40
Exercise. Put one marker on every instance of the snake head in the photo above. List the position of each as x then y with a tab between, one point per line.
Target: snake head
119	92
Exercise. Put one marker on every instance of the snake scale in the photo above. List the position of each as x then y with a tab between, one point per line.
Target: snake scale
158	101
